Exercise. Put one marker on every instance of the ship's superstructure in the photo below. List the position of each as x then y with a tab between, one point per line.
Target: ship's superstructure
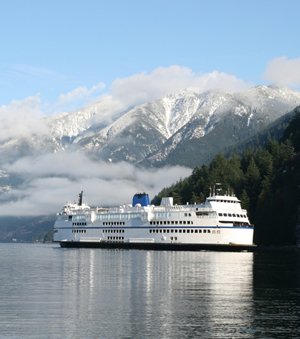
218	223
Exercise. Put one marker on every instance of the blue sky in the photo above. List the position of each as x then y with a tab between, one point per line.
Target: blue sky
59	49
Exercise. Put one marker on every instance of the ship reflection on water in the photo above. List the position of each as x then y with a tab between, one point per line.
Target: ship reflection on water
159	294
100	293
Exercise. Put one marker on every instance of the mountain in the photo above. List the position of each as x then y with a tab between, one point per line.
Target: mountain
184	128
222	121
274	131
26	229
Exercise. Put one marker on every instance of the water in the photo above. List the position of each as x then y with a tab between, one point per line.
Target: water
50	292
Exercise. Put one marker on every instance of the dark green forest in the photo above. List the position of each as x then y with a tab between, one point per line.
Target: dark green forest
266	179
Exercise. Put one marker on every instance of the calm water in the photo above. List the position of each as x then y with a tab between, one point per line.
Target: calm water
49	292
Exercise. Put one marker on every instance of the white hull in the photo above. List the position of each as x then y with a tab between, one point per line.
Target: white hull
118	237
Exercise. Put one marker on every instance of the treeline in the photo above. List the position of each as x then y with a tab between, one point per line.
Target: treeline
266	180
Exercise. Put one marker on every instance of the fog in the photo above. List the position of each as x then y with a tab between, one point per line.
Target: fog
50	180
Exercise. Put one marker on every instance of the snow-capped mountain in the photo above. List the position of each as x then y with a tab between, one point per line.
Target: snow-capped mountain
222	120
174	129
167	130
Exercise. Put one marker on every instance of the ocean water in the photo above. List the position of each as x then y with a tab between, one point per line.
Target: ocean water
50	292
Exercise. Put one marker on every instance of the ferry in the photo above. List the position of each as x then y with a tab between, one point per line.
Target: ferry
219	223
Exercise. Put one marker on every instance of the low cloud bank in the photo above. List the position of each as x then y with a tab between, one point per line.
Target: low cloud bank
50	180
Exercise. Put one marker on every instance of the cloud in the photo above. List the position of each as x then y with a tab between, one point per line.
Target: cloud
144	87
283	71
49	180
21	118
81	95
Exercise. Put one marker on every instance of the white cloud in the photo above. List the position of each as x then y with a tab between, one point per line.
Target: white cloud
144	87
21	118
283	71
52	179
81	94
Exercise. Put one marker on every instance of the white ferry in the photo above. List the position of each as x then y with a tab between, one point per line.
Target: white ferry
217	224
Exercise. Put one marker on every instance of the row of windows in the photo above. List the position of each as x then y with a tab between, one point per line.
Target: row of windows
78	231
113	231
183	231
114	223
173	238
124	216
79	224
167	215
172	222
232	215
115	238
78	216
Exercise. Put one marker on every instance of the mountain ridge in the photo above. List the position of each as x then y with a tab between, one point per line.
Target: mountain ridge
155	132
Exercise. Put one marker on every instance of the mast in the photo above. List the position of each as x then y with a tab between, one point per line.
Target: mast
80	198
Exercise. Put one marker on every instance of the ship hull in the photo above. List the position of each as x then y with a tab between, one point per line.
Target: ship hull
159	246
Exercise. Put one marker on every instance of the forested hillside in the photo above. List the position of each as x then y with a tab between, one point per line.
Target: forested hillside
266	179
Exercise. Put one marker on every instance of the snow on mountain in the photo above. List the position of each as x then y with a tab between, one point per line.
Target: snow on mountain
235	116
156	129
